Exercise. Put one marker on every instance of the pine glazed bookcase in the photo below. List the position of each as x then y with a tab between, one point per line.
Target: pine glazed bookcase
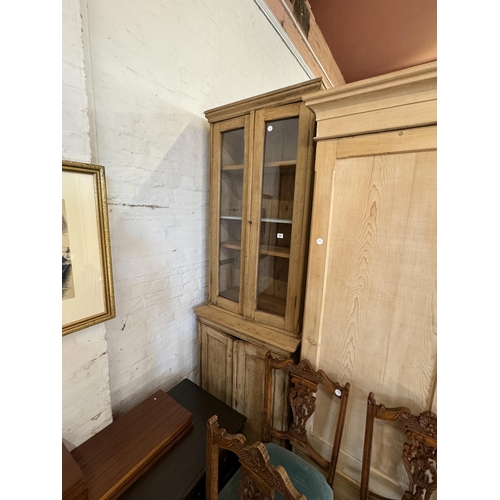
261	180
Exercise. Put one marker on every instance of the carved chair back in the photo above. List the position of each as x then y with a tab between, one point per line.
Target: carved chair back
304	382
260	478
419	451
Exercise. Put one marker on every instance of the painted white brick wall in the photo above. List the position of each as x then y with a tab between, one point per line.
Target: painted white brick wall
75	122
86	404
155	67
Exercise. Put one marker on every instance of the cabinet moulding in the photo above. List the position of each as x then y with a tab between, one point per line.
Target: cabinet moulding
270	338
274	98
403	99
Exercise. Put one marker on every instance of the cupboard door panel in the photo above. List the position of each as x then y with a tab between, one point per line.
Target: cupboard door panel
248	396
249	390
217	363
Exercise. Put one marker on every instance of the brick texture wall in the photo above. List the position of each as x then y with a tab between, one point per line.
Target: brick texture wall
154	67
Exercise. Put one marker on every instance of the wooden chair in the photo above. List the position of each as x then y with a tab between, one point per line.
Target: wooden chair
419	451
304	382
260	479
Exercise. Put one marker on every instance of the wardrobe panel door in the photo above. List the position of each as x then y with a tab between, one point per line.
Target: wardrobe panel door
373	316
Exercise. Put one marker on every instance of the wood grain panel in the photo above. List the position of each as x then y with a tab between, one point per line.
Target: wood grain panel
381	304
217	363
317	278
396	141
73	483
249	389
407	116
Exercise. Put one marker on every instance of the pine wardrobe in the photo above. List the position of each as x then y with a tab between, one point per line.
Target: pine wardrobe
370	308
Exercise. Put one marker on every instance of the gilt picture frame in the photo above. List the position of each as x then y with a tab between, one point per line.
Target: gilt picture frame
87	279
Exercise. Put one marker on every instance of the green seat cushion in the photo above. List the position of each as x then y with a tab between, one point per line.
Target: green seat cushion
305	477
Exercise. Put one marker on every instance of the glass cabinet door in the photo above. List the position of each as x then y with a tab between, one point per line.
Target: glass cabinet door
261	174
276	214
231	211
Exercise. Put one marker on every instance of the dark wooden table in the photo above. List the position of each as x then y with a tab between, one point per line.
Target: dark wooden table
180	473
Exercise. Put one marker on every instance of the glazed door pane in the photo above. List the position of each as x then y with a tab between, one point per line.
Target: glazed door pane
231	212
277	196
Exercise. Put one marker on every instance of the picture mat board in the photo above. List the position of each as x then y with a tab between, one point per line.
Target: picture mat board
79	193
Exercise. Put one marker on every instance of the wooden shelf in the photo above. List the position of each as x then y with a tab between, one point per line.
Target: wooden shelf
275	251
234	245
231	217
278	221
281	163
226	261
269	164
233	167
231	294
271	304
272	250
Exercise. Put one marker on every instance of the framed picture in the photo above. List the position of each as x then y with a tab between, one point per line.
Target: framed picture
87	281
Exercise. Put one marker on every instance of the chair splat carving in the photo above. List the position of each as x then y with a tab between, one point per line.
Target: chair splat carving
419	451
303	404
260	478
304	384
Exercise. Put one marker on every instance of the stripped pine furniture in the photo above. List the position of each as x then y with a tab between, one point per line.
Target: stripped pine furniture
304	383
419	450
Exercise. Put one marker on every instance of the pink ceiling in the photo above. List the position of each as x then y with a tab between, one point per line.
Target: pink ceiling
372	37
